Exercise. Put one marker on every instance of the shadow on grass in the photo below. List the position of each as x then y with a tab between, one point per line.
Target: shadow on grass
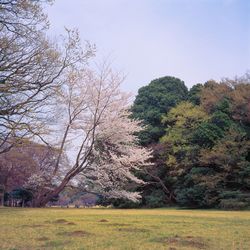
78	233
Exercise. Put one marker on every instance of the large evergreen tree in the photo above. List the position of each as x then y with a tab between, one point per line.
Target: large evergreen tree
153	101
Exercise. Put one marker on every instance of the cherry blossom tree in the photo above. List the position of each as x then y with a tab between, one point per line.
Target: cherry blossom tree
95	132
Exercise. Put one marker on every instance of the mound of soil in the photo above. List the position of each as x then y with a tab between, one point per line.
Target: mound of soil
103	220
71	223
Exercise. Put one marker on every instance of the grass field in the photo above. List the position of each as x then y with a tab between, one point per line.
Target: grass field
56	228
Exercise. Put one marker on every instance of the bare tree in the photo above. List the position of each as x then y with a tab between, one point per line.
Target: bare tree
23	17
31	68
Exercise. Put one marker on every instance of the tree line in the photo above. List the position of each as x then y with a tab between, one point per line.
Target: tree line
200	142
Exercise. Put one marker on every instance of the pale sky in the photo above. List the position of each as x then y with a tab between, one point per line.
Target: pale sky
194	40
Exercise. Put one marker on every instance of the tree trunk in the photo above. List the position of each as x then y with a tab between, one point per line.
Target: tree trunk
44	199
2	192
2	199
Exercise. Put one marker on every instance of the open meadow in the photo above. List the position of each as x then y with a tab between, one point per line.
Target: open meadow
58	228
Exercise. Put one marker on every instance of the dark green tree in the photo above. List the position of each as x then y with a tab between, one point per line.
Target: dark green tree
21	194
152	102
194	94
155	100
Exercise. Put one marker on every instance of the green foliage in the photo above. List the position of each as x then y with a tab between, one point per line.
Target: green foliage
155	199
207	134
194	94
190	197
202	158
182	121
22	194
185	116
224	106
221	120
208	153
155	100
223	175
118	203
234	200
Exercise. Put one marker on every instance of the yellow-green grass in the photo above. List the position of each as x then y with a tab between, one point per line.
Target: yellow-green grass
58	228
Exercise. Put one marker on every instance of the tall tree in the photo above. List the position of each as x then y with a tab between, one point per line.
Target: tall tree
96	134
31	68
153	101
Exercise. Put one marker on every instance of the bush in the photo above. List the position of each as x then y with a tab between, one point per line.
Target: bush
124	203
192	197
155	199
117	203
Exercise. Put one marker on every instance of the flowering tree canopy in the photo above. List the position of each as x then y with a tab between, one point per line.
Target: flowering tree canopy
94	131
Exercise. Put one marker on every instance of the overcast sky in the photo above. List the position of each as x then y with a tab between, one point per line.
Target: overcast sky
194	40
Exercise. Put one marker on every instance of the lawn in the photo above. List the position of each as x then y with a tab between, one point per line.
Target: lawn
58	228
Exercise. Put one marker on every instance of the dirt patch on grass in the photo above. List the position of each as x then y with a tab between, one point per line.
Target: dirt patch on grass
133	230
60	221
71	223
78	233
188	241
42	238
103	220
